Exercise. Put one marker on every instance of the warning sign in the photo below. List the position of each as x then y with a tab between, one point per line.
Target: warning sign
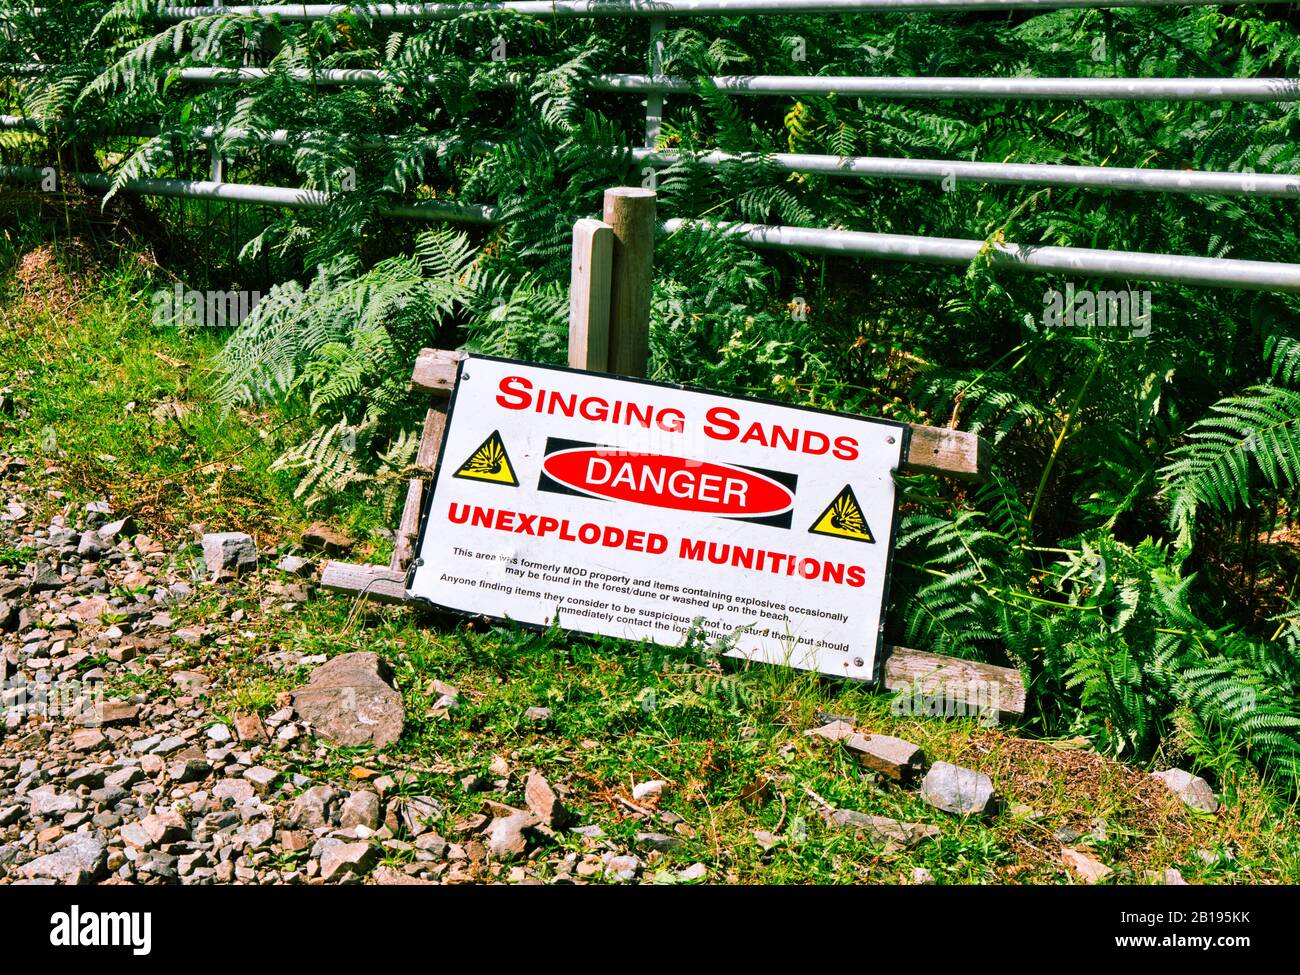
643	510
843	518
489	463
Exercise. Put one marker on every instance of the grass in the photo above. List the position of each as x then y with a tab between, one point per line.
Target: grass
92	370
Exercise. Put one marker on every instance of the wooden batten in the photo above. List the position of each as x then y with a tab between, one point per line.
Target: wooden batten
435	371
952	453
435	423
978	687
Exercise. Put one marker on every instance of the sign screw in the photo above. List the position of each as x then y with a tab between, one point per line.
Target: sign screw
889	440
858	661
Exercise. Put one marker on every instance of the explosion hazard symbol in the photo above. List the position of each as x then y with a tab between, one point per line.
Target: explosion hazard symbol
843	518
489	463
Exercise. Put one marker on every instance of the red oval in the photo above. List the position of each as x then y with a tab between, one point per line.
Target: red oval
679	483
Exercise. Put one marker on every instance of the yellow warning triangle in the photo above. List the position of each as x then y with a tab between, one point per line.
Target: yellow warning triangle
489	463
843	518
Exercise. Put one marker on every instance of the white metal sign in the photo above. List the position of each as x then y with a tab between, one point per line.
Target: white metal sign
636	510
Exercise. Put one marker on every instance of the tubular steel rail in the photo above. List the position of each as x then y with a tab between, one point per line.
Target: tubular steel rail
288	197
655	8
1006	174
1216	272
1002	89
1100	89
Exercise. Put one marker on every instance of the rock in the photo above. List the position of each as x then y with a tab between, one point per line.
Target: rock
135	835
361	808
506	837
922	876
432	843
90	546
418	813
538	715
895	835
173	743
249	728
78	859
255	836
693	874
1192	789
543	802
295	566
958	790
226	553
165	827
236	791
766	840
152	764
45	578
1085	867
89	609
833	731
218	733
87	740
622	867
311	810
91	776
191	683
343	859
646	789
350	702
114	713
123	778
113	530
261	778
388	877
45	803
892	757
321	537
662	842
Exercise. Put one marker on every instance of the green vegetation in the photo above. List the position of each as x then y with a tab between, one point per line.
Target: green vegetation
749	785
1134	552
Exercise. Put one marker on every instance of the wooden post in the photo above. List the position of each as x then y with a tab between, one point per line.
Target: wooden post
593	252
630	211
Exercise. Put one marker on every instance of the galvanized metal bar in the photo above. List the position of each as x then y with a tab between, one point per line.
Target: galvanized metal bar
1114	89
1007	174
651	8
1136	266
366	77
1104	89
287	197
654	101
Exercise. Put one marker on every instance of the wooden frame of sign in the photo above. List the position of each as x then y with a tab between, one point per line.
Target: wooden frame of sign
609	311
